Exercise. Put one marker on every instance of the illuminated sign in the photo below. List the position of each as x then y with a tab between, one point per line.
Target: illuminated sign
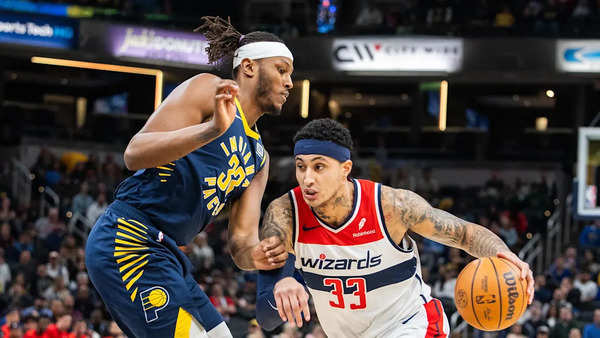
579	56
37	31
157	44
397	54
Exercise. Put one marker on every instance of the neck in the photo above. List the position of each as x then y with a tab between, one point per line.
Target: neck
337	209
249	105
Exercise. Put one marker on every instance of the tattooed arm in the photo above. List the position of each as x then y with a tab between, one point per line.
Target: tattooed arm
278	222
405	210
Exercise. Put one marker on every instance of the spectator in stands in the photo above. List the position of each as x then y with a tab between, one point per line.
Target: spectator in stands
82	200
572	295
26	266
369	16
575	333
516	331
224	304
6	238
587	287
589	238
97	208
565	323
444	288
592	330
5	275
507	230
543	332
56	267
49	224
558	271
201	254
42	280
6	212
571	259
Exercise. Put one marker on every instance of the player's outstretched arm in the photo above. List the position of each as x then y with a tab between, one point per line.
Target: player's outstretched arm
405	210
246	250
280	297
183	122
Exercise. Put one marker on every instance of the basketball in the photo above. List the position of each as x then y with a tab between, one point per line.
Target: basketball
489	294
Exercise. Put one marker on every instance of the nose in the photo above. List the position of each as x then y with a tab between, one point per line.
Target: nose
309	178
287	82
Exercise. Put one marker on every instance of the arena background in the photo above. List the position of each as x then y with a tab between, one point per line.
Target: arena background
476	105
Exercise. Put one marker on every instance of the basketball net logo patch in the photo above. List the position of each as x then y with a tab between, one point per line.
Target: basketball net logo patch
153	300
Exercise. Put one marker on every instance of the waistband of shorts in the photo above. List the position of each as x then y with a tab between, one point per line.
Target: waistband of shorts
126	209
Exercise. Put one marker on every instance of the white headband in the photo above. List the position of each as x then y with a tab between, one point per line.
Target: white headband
260	50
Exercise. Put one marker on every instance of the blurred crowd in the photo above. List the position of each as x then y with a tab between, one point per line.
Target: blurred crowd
45	290
439	17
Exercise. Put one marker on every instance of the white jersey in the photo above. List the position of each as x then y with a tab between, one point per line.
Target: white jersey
362	283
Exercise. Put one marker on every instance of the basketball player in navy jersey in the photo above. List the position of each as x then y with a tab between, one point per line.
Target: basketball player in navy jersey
349	246
197	152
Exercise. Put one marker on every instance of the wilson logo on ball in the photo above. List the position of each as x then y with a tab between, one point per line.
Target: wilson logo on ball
513	294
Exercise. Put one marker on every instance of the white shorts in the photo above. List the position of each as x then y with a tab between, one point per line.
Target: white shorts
428	322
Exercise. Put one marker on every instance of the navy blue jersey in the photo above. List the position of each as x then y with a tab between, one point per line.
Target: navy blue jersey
183	196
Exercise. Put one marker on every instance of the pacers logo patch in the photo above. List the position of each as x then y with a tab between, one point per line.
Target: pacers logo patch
153	300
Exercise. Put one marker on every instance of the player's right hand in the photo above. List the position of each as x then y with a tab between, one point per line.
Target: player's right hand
225	108
292	301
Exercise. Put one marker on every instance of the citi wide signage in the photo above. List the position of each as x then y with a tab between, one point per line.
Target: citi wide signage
398	54
578	56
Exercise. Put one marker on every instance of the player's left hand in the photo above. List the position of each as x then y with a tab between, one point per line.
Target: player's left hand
526	272
269	254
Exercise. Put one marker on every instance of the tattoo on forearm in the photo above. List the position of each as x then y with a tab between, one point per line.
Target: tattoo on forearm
412	209
278	221
485	243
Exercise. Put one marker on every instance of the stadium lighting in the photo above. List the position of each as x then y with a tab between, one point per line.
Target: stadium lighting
550	93
305	97
443	105
158	74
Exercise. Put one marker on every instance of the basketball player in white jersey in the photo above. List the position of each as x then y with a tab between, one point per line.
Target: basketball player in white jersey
348	244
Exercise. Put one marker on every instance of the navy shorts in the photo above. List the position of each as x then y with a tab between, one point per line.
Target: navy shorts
144	279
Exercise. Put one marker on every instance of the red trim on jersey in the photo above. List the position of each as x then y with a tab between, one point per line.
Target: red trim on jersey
363	228
435	317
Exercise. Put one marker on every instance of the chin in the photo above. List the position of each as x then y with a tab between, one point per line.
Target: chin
272	110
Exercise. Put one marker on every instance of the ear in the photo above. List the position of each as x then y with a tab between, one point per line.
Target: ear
346	168
248	67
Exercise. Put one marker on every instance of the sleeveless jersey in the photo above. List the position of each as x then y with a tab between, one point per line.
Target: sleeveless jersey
362	283
183	196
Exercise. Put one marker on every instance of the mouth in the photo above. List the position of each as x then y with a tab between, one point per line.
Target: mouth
310	194
284	96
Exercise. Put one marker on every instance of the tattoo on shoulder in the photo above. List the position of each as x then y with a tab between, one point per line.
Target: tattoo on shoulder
410	209
278	220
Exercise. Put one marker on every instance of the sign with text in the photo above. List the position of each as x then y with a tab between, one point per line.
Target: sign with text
398	54
157	44
37	31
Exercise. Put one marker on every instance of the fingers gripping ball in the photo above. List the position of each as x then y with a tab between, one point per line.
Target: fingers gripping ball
489	294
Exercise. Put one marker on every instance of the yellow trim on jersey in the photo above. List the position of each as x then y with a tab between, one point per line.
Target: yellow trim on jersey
124	248
138	223
263	160
134	279
129	237
133	294
124	228
165	168
248	130
184	323
122	241
126	258
122	221
134	269
126	266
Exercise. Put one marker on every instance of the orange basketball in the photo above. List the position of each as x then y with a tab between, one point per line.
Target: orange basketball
489	293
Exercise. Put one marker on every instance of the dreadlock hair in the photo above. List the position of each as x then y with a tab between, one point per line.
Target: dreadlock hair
224	39
325	130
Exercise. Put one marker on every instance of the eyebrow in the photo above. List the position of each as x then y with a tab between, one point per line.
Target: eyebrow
287	63
312	160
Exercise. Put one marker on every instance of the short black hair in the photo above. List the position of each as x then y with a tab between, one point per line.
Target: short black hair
224	39
325	130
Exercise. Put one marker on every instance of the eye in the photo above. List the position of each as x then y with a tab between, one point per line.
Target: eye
319	166
299	165
281	71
